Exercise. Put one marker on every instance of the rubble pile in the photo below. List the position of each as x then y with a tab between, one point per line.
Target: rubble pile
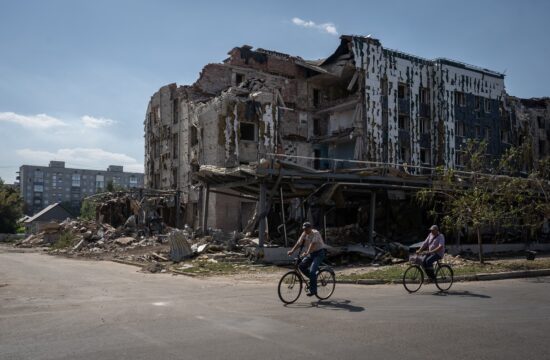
81	236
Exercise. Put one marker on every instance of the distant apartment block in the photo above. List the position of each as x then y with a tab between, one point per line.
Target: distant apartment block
42	186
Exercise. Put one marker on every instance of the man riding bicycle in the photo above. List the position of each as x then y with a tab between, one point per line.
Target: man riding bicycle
314	255
435	245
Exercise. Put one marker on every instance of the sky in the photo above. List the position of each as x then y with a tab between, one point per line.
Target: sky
76	76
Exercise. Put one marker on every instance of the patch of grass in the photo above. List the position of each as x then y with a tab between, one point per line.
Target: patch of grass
389	273
211	268
204	267
65	240
395	272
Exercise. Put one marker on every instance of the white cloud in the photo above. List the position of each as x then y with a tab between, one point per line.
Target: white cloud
93	122
329	28
40	121
91	158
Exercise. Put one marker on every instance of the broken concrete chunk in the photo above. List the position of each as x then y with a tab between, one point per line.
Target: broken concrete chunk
125	241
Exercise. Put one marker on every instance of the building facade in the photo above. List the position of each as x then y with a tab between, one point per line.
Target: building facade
42	186
362	106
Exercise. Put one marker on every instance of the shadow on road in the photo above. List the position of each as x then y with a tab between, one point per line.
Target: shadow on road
461	293
338	305
329	305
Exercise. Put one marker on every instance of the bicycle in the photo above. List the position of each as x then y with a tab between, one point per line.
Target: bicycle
291	283
413	278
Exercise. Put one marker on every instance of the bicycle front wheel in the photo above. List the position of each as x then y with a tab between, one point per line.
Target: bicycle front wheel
413	278
444	277
326	282
290	287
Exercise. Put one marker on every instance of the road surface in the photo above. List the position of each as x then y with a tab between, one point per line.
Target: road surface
58	308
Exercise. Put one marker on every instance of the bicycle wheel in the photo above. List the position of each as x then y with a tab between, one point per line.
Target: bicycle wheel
326	282
444	277
290	287
413	278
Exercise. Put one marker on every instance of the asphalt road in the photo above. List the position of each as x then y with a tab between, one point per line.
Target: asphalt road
57	308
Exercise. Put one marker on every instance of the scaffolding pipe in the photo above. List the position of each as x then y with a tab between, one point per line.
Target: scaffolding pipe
283	215
371	218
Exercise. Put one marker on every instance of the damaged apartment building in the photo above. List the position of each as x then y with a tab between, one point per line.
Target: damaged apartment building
364	106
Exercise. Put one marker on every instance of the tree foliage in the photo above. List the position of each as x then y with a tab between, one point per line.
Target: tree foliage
482	196
88	209
11	206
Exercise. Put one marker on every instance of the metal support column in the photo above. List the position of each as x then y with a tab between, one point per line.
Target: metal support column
371	216
262	217
205	209
283	215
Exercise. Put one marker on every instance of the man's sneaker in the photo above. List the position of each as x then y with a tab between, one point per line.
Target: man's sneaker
310	294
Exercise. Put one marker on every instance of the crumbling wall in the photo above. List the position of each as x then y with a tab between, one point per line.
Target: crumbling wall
453	79
442	78
382	66
531	123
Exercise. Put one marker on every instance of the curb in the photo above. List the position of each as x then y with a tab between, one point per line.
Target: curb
475	277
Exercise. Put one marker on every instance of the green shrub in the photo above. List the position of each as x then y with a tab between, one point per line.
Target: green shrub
65	240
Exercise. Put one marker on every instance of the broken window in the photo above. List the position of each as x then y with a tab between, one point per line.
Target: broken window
504	136
478	132
403	122
425	125
75	180
248	131
459	158
486	133
425	157
477	103
402	91
316	97
317	161
460	99
487	105
175	146
459	128
425	96
239	78
174	177
194	137
175	110
319	127
404	154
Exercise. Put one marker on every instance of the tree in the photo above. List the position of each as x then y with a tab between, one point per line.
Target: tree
484	196
88	209
112	187
11	206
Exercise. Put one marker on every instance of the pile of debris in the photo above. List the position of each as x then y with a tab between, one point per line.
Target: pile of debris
73	236
126	243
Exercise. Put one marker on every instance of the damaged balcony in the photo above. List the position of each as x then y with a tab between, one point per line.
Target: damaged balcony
277	185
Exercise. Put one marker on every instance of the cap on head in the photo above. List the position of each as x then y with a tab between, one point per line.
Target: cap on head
434	227
306	225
